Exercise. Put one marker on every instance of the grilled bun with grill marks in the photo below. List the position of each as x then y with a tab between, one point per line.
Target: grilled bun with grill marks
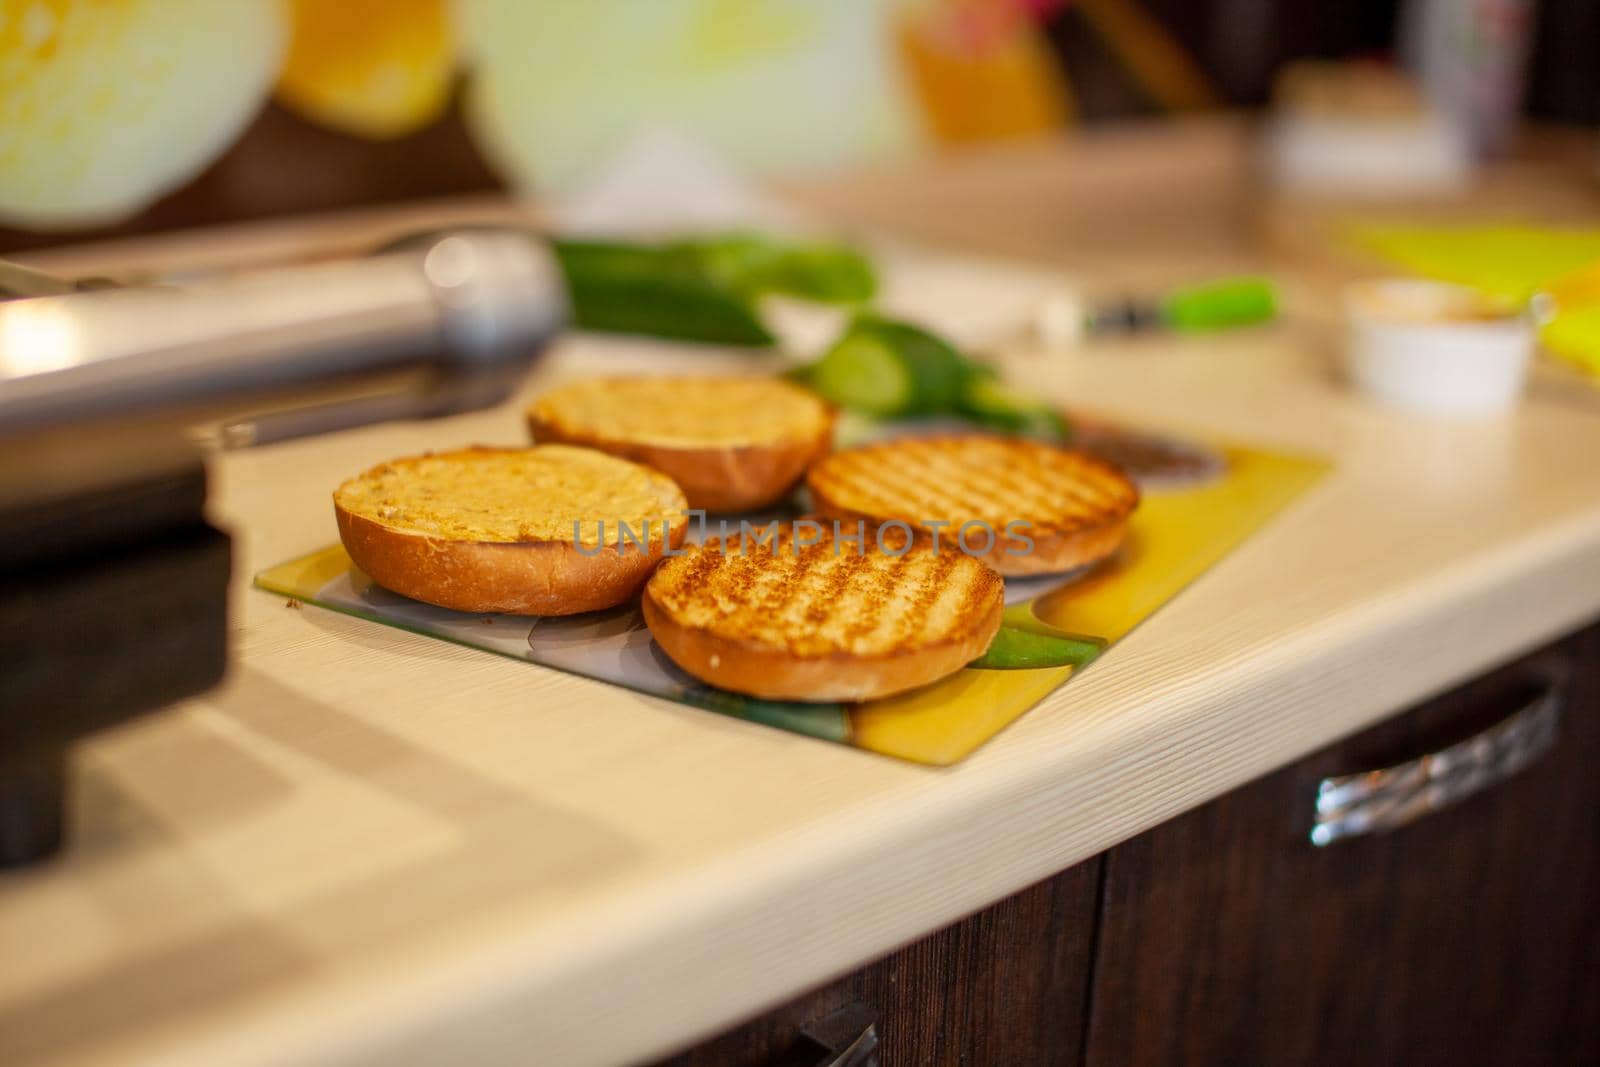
492	529
731	444
816	624
1075	508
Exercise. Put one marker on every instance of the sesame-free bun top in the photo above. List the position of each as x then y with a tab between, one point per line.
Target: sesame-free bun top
1072	509
499	530
780	619
732	444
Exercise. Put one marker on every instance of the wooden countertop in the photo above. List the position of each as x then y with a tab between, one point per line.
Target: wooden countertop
369	847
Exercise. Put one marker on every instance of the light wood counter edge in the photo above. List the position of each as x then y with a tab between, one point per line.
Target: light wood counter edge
747	929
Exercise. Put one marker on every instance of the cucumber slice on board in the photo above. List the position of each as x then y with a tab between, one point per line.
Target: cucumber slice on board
989	402
891	369
862	373
1017	649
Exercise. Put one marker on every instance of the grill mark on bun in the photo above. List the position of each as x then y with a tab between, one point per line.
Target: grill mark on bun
816	626
1076	506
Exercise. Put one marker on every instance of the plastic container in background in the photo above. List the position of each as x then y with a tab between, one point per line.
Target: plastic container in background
1471	57
1434	348
1361	130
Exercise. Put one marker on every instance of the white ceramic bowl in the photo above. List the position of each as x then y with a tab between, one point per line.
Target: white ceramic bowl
1436	348
1367	157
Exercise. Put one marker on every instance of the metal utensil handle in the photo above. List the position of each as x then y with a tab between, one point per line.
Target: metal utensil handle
100	389
459	312
1373	802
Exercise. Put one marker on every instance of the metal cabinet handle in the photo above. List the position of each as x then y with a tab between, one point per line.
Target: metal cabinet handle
1373	802
845	1038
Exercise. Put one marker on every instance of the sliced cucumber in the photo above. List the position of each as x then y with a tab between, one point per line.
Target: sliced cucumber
937	370
862	372
989	402
1016	649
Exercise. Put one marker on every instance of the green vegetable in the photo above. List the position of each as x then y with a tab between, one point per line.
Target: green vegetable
704	289
828	721
707	289
755	265
1017	649
894	370
989	402
661	291
891	369
1221	305
861	373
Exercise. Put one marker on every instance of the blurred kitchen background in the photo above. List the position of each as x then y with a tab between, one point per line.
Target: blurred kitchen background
132	116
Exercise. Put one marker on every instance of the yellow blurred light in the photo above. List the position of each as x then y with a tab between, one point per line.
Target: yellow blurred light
982	71
374	68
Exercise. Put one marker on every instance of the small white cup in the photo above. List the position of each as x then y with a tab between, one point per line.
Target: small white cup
1436	348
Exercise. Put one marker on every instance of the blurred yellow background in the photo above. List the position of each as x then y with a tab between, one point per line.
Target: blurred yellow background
107	105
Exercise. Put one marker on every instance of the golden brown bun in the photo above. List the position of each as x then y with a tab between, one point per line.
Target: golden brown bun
1076	507
819	624
731	444
491	530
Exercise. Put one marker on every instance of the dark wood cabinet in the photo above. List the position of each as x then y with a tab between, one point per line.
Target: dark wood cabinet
1470	935
1005	986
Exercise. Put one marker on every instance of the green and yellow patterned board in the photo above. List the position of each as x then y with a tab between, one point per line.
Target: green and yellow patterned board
1052	629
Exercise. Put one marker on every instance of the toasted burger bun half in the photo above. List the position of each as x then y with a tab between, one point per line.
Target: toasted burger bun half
821	622
492	530
1050	509
731	444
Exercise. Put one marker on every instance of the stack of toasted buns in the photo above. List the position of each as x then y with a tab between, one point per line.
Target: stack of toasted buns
894	585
